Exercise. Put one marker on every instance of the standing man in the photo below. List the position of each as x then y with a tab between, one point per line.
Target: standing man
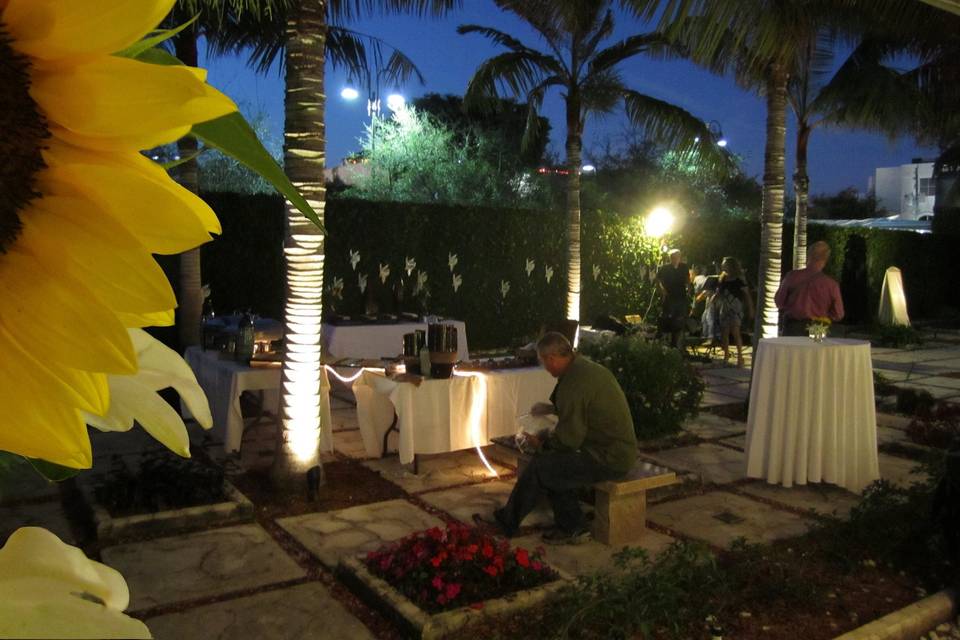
592	442
674	281
809	293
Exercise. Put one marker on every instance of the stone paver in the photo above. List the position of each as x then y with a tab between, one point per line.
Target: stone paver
439	471
739	442
708	425
714	399
738	391
937	392
303	611
711	462
334	534
592	556
893	420
899	471
350	444
824	499
737	374
463	502
757	522
889	435
940	381
48	515
207	563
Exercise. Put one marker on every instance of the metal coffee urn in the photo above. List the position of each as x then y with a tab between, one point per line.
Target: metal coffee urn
412	344
442	343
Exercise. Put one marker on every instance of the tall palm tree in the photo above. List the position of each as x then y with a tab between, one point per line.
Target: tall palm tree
302	32
590	83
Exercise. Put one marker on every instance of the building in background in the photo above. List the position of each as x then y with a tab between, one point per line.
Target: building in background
906	191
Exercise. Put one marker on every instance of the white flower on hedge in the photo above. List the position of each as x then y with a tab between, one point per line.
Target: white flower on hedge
531	265
49	589
452	261
362	281
596	271
504	288
354	259
384	272
410	264
548	272
134	398
421	282
457	281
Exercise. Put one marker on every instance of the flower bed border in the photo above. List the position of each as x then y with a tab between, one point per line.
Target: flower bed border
430	626
236	508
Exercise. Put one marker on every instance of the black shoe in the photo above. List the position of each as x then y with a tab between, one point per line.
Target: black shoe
559	536
493	526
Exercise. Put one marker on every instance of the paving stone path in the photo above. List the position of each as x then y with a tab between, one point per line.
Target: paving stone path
275	579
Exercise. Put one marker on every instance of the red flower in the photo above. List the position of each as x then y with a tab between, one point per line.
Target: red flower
452	590
487	550
522	558
441	599
437	583
491	570
435	533
437	559
536	565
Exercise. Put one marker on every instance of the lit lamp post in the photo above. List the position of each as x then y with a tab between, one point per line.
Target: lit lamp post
395	102
717	133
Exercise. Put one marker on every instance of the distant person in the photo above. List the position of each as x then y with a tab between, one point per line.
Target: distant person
809	293
732	303
674	281
593	441
698	277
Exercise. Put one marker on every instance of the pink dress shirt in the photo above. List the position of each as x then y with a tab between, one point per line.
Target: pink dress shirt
806	293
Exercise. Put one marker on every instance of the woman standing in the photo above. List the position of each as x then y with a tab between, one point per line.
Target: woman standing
730	303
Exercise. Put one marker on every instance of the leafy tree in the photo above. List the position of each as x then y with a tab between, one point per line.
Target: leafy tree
590	82
217	172
845	205
415	158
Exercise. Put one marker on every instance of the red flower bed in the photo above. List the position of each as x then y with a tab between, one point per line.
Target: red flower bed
445	569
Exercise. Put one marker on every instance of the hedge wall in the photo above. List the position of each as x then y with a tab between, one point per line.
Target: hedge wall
245	265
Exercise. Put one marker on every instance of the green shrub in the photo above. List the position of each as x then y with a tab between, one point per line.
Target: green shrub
661	388
897	336
912	402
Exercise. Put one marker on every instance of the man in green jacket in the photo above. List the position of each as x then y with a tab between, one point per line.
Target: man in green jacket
593	441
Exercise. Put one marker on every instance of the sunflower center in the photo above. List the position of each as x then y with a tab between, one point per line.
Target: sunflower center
22	131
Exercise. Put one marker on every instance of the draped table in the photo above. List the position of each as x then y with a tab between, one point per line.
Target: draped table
812	415
224	380
380	340
443	415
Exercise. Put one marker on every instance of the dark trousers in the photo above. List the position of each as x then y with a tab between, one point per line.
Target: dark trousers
557	475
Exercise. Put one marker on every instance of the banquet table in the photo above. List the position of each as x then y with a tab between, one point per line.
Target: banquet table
442	415
380	340
224	380
812	416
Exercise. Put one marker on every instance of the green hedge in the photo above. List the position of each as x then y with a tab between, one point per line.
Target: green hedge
245	265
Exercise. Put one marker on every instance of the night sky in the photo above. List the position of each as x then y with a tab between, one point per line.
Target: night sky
838	158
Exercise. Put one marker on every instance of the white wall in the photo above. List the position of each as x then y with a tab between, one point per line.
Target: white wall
906	190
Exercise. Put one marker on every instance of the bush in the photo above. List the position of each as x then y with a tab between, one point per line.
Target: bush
913	403
897	336
661	388
939	427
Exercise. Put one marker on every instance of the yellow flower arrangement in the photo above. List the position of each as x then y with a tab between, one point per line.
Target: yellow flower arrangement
818	328
81	211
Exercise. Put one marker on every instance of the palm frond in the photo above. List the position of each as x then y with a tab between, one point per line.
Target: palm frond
350	10
626	48
601	92
600	32
533	132
513	71
678	130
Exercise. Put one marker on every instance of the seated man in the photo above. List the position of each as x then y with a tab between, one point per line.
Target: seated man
593	441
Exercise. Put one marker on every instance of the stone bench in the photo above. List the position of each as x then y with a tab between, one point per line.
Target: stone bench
620	506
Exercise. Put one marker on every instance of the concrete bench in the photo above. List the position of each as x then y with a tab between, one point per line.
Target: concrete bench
620	506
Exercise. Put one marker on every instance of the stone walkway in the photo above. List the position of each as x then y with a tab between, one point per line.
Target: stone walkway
276	579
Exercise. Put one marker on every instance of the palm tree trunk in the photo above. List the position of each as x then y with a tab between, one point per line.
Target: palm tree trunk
304	144
771	239
190	299
801	189
574	135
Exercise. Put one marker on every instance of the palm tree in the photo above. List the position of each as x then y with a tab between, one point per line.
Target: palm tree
587	76
301	30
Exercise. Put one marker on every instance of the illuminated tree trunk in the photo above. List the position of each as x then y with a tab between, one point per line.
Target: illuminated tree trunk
771	239
801	189
574	139
304	143
190	299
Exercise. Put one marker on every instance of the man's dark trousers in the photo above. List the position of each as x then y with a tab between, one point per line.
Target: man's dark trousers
558	475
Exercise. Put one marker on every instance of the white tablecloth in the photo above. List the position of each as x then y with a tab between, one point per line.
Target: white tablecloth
380	340
447	415
812	415
223	380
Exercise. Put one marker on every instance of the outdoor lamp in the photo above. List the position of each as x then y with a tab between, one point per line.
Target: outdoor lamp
396	102
658	222
349	93
588	168
717	133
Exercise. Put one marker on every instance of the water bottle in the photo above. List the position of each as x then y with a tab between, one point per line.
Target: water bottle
244	339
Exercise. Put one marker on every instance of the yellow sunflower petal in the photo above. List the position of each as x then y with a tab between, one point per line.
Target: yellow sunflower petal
126	100
139	320
177	219
72	234
60	318
40	424
53	29
84	390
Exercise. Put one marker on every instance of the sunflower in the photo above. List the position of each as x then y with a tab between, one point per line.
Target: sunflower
82	210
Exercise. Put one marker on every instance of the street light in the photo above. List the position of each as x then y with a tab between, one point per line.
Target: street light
349	93
396	102
716	132
659	222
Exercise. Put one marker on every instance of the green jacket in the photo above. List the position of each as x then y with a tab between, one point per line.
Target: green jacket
594	416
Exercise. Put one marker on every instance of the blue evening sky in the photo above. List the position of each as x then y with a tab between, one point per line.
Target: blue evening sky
837	158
